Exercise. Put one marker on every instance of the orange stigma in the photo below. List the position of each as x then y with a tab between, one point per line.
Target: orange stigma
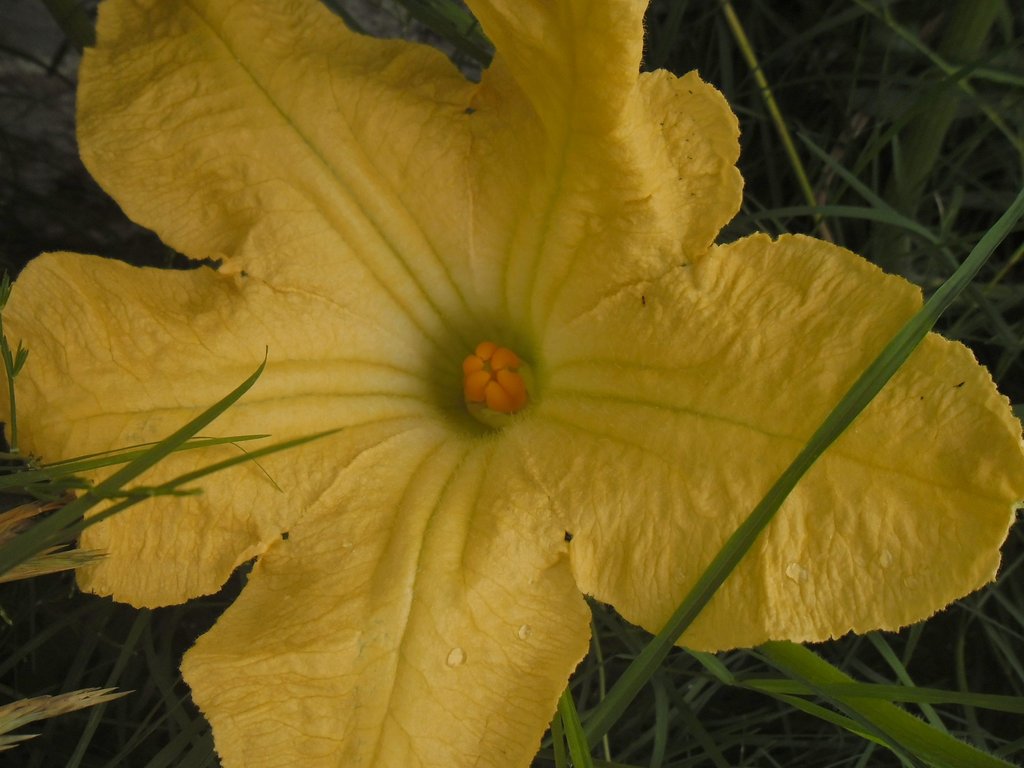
490	377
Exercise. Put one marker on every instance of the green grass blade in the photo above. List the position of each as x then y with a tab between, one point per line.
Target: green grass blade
48	531
579	750
558	742
789	147
127	649
853	402
903	693
59	470
830	716
173	486
171	755
887	216
934	747
964	39
903	676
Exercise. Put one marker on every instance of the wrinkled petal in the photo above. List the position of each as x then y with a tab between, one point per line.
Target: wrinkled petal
576	62
408	622
671	409
269	135
130	355
590	177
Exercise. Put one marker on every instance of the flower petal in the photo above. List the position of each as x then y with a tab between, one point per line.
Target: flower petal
121	356
407	622
269	135
574	61
664	423
591	176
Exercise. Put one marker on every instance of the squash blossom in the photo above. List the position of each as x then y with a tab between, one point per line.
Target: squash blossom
550	381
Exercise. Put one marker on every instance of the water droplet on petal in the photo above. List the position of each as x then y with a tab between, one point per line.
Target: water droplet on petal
524	632
456	657
885	559
797	573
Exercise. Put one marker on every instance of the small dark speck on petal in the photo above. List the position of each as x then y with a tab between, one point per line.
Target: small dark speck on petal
643	300
568	537
470	110
284	536
959	385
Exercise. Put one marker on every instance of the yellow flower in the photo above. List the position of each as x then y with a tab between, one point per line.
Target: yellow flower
378	218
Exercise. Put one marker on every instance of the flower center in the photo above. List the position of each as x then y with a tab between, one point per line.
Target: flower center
491	379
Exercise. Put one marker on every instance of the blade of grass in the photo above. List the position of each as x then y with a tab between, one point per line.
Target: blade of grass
661	721
198	755
48	532
172	486
852	403
579	750
966	31
747	49
126	652
13	362
887	213
892	693
830	716
49	473
887	217
558	741
935	747
886	652
602	678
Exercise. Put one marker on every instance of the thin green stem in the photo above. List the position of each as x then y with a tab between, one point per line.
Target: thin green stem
579	750
10	374
602	681
13	362
750	56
